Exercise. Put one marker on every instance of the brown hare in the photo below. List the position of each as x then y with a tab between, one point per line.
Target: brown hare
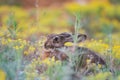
55	42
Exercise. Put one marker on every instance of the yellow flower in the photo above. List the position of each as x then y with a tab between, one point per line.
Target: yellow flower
93	64
43	78
9	40
16	47
26	52
88	61
1	34
100	76
22	46
19	40
47	61
68	44
99	66
2	75
53	59
31	48
117	55
4	42
118	77
58	62
100	41
24	42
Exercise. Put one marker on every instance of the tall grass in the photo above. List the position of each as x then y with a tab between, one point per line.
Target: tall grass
12	58
10	55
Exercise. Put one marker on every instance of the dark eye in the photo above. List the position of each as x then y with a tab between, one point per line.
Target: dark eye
56	39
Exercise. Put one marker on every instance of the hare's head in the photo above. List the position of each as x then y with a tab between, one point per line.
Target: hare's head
58	40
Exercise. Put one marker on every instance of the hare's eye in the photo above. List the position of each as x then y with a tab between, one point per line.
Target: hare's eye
56	39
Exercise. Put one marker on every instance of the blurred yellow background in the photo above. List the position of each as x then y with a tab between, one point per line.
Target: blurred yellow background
38	17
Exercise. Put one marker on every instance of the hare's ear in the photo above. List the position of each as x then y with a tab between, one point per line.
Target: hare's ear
66	37
82	37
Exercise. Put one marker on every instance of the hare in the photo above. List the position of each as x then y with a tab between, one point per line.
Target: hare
55	42
58	40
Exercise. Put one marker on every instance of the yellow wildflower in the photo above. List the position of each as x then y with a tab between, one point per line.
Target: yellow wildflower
26	52
31	48
24	42
99	66
2	75
118	77
88	61
93	64
16	47
53	59
47	61
22	46
1	34
100	41
4	42
19	40
58	62
68	44
9	40
117	55
100	76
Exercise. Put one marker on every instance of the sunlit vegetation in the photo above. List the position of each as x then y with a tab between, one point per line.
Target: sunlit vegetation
23	33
